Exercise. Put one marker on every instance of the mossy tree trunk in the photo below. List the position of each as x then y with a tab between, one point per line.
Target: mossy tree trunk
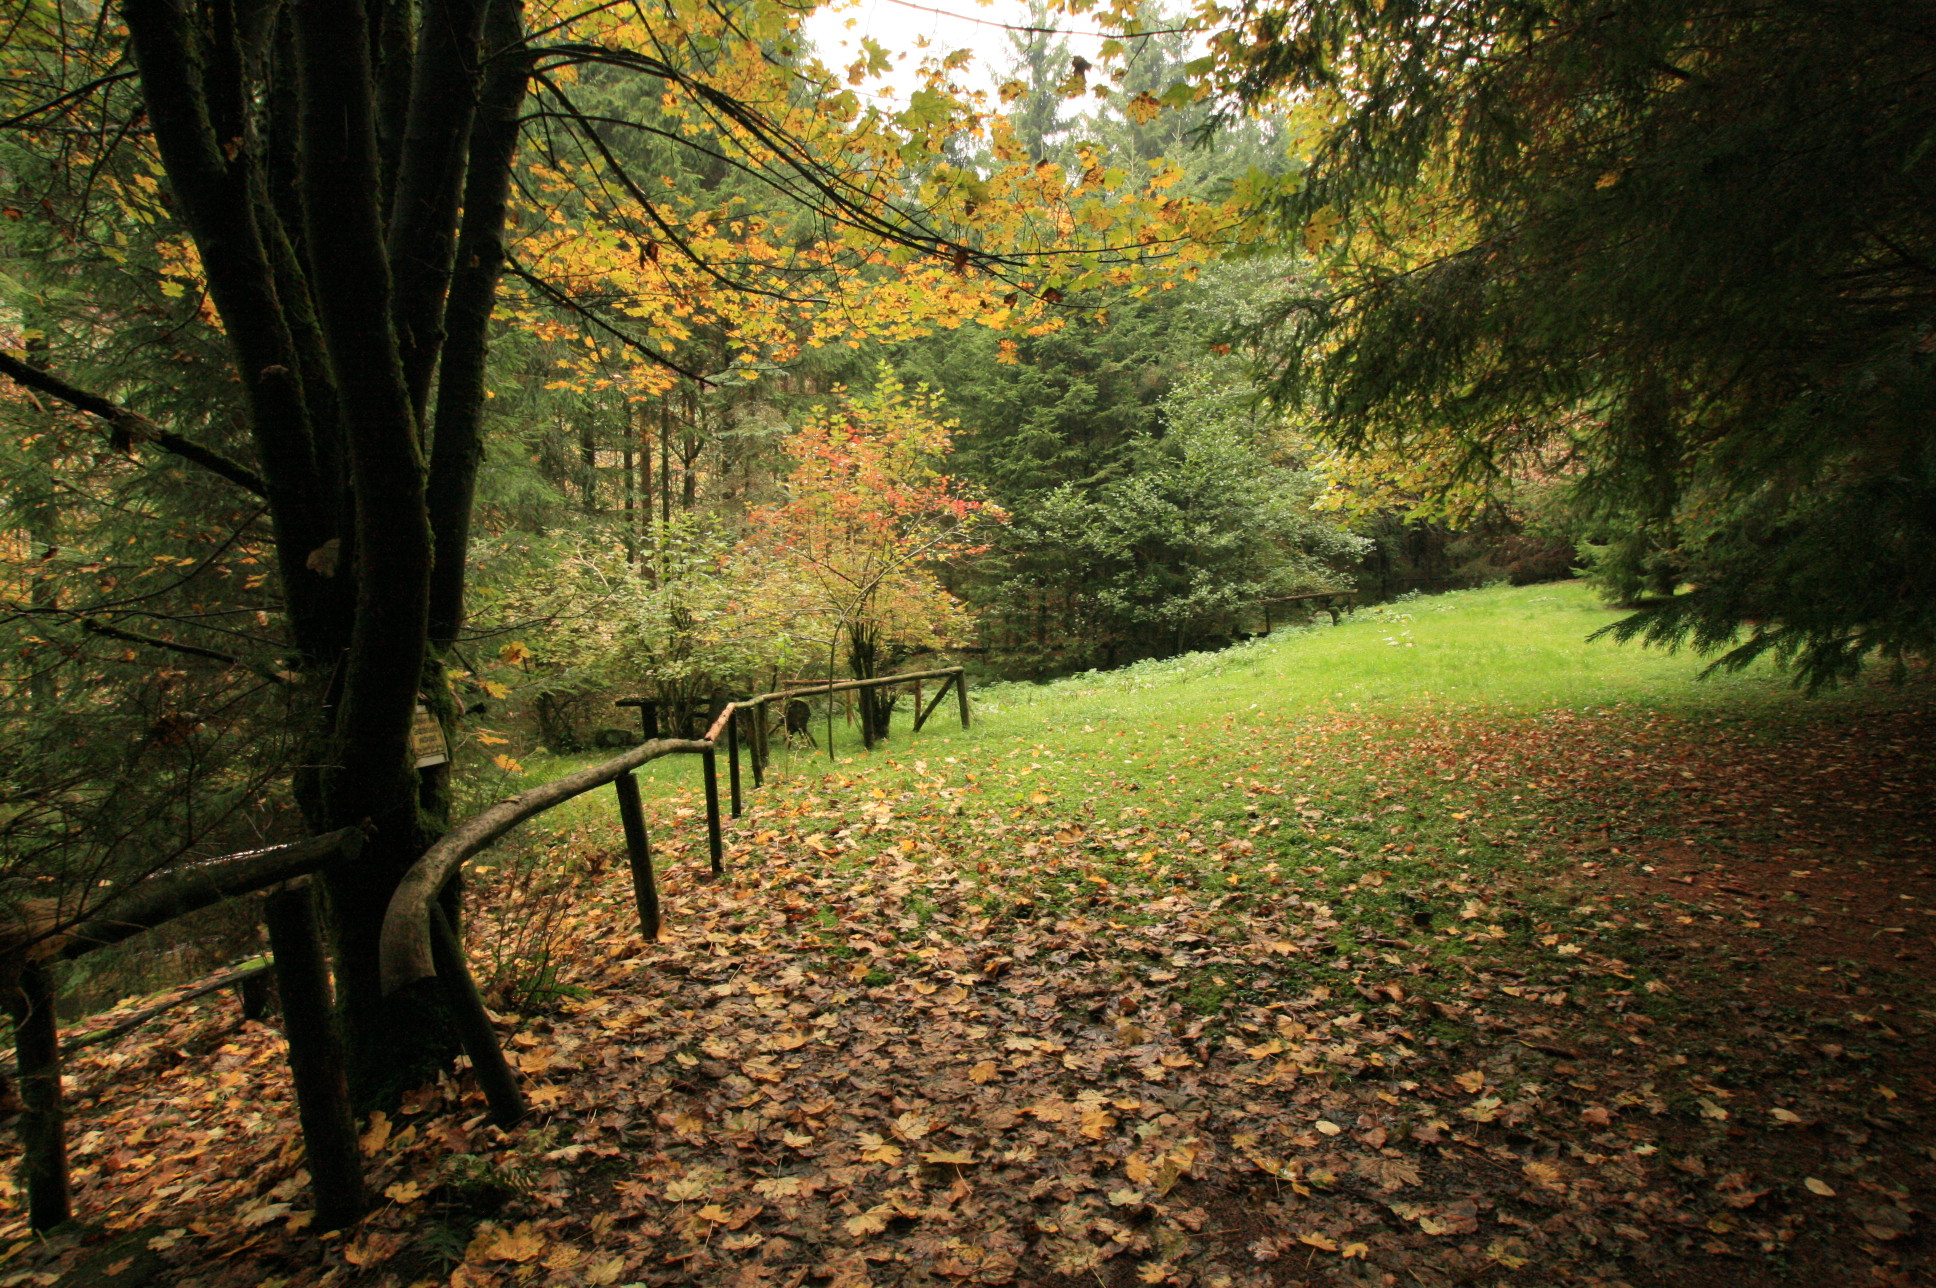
342	166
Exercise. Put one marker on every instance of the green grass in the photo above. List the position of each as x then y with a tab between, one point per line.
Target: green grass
1183	741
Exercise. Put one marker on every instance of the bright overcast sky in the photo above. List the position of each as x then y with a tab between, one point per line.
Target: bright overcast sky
898	26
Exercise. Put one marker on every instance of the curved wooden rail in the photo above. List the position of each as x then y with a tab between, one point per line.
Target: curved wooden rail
405	947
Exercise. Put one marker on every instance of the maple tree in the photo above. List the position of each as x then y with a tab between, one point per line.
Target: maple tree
867	520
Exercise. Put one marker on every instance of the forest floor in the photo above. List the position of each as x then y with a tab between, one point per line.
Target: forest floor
1439	949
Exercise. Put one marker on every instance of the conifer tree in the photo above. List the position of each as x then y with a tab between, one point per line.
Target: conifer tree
1686	251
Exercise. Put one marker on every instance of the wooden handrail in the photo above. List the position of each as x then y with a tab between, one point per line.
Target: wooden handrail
176	894
1315	594
404	950
718	725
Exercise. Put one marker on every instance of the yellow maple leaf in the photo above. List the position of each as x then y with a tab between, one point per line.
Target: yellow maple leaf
376	1136
958	1157
521	1243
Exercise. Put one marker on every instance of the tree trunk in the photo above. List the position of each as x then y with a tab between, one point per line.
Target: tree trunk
347	200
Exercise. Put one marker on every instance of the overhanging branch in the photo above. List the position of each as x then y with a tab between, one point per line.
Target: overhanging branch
131	426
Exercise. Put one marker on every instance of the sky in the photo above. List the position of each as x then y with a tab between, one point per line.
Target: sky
946	24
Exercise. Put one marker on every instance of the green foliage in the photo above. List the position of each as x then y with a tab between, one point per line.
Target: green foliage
674	627
1199	523
1683	248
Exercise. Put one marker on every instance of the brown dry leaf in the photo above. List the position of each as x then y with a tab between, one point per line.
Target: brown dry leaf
983	1072
605	1272
872	1221
1820	1187
685	1189
1471	1082
1318	1241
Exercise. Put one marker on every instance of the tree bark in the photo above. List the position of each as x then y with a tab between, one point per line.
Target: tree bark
369	773
457	445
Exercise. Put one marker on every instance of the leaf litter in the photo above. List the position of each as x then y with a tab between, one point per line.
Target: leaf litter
1472	999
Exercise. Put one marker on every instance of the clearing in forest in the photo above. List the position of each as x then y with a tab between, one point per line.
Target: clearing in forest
1442	948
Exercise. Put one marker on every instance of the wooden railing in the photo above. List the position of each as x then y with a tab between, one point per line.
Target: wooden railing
727	722
418	942
37	937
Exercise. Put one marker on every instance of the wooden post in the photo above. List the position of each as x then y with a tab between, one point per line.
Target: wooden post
253	991
638	848
474	1023
758	749
710	765
43	1136
1267	617
315	1055
961	695
732	757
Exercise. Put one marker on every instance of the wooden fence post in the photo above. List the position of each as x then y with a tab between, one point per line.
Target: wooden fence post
921	716
315	1055
638	849
732	757
710	766
253	992
474	1023
961	694
43	1137
756	744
